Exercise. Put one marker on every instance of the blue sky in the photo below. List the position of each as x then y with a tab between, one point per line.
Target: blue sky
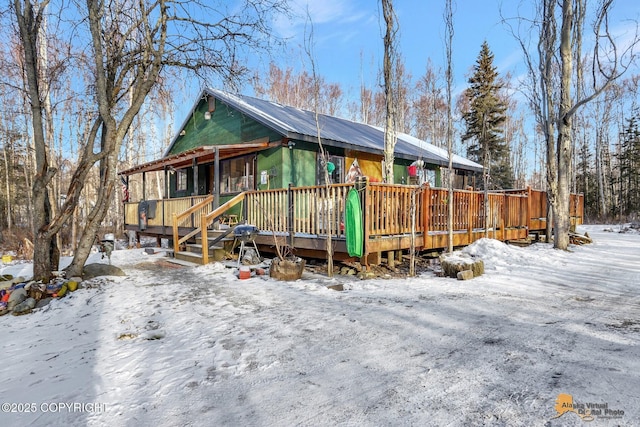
348	36
348	41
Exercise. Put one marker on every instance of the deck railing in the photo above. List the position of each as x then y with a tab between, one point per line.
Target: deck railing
388	207
315	210
318	211
164	212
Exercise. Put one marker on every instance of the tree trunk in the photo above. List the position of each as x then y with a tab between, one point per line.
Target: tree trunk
98	212
564	146
7	184
448	18
602	202
29	25
390	95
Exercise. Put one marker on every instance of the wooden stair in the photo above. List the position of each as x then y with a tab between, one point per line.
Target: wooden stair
216	253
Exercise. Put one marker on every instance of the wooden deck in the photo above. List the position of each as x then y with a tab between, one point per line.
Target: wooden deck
303	217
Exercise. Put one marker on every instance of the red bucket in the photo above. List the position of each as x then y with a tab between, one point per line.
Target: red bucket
244	273
413	170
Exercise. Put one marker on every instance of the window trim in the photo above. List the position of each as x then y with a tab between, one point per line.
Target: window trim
182	180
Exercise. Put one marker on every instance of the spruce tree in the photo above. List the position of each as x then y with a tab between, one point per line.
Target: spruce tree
485	124
629	161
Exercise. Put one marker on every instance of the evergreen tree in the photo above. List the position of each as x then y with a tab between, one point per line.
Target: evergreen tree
485	124
586	182
629	162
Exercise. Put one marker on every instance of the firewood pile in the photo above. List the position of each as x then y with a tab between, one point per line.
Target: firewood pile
579	239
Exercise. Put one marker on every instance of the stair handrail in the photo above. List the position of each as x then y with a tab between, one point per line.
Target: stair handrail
210	218
205	221
214	214
179	217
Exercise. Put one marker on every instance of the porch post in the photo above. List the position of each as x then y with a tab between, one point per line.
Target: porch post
166	182
362	185
216	178
164	201
194	166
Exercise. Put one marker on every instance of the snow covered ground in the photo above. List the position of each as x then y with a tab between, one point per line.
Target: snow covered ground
177	346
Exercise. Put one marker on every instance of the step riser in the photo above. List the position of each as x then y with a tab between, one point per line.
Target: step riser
217	253
227	246
182	257
196	253
224	243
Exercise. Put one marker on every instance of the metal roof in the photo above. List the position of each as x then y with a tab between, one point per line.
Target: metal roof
295	123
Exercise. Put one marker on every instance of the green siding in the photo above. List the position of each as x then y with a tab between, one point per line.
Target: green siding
226	126
284	166
400	174
271	161
303	167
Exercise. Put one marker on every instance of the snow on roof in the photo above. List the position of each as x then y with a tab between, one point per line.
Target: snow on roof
296	123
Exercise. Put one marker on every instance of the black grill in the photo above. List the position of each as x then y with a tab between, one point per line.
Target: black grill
246	233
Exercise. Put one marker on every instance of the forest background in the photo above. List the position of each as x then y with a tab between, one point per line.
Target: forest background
348	34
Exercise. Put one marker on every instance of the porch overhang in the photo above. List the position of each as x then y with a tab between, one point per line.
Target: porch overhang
202	155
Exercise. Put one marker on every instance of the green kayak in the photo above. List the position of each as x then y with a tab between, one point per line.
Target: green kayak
353	224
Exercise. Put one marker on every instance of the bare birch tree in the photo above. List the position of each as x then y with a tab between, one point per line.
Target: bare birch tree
448	19
29	17
608	66
324	158
388	66
429	107
551	94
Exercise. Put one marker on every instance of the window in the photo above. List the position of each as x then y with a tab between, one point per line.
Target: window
335	177
181	180
237	175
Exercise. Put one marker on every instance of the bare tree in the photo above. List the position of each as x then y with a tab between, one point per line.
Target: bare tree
324	157
429	108
403	103
29	18
607	67
390	57
550	92
299	90
448	19
128	53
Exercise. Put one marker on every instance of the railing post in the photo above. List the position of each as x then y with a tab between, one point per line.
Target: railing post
471	205
176	238
192	216
362	185
290	211
528	217
426	210
205	239
505	212
245	209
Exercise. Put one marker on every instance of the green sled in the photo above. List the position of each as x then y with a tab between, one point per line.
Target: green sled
353	224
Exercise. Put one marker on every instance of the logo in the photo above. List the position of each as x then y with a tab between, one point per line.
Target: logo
586	411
